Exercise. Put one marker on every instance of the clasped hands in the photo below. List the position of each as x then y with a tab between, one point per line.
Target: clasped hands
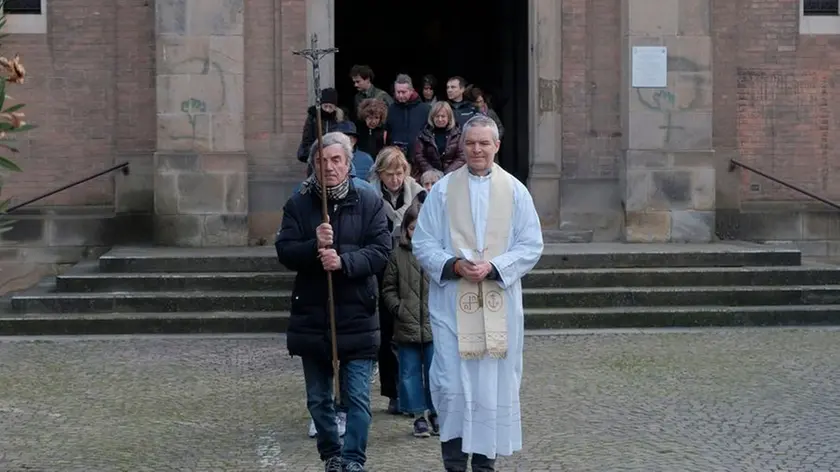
474	272
329	258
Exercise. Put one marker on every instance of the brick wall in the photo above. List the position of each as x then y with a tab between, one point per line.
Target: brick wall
275	92
591	86
590	191
776	100
276	101
90	90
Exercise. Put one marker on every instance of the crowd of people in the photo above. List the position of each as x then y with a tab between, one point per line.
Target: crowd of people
406	277
424	127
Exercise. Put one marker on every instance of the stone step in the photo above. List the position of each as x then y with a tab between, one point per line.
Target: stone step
590	297
142	323
550	318
605	297
85	278
683	276
553	236
555	256
682	316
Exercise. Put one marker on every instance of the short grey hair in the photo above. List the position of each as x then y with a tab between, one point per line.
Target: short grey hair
429	175
480	121
331	139
404	79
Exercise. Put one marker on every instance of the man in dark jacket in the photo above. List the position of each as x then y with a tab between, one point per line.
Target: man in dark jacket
462	108
407	116
354	246
362	77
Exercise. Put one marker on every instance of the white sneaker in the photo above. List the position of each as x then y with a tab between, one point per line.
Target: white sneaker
341	422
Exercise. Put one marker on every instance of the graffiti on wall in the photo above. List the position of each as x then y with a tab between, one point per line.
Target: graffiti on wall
688	94
214	90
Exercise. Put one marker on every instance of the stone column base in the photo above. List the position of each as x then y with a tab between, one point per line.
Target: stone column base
544	185
669	196
201	200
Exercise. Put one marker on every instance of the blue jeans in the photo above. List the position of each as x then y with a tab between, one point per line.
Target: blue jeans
412	396
355	395
341	384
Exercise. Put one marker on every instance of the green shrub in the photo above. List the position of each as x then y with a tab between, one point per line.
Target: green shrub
12	120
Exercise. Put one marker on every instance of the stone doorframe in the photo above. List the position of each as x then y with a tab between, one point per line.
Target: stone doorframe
545	94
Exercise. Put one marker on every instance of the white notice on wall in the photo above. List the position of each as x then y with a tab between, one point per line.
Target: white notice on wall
650	66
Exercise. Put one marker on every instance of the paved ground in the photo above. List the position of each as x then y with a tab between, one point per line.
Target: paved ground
736	400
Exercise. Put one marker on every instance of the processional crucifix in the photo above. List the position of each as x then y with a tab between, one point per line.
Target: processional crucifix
314	56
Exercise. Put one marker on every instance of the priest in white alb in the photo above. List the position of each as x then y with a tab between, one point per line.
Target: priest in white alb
478	234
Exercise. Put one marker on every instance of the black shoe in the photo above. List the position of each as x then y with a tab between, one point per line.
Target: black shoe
393	408
421	428
333	464
433	420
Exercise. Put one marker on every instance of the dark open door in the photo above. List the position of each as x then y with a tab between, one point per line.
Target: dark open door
485	41
513	111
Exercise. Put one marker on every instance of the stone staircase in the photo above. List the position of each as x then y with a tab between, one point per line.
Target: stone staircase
169	290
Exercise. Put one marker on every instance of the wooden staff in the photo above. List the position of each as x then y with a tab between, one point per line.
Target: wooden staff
314	56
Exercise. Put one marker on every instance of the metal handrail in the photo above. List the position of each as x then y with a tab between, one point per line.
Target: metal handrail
123	167
734	163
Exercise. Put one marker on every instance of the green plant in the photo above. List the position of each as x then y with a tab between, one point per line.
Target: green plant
11	121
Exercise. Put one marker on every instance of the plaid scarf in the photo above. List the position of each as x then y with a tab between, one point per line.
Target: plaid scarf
335	193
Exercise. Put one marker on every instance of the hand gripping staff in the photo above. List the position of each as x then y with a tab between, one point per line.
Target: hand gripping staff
314	56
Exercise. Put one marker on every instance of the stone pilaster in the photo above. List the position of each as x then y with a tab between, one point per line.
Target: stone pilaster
546	109
201	169
668	174
320	20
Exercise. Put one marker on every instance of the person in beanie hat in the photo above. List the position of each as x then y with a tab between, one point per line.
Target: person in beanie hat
362	161
329	96
331	116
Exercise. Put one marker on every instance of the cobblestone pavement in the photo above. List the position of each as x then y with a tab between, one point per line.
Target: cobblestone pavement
728	400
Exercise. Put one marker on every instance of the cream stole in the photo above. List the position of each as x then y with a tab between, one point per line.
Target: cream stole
481	310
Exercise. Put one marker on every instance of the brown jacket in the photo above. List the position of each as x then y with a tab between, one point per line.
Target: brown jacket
427	156
405	294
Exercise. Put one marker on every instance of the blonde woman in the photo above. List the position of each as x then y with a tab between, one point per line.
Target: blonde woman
391	179
438	146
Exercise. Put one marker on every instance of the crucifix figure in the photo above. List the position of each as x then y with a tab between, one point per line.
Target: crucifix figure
314	56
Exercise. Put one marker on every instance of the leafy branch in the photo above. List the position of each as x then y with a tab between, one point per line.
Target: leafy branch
12	120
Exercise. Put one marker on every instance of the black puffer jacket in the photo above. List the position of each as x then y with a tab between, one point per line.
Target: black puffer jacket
363	242
329	122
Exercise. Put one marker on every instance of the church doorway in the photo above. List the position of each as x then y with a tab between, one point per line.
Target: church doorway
484	41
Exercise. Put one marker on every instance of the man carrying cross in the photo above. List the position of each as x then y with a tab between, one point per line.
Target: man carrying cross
353	246
478	234
336	253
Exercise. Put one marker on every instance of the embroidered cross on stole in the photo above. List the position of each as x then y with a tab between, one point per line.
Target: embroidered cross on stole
480	308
